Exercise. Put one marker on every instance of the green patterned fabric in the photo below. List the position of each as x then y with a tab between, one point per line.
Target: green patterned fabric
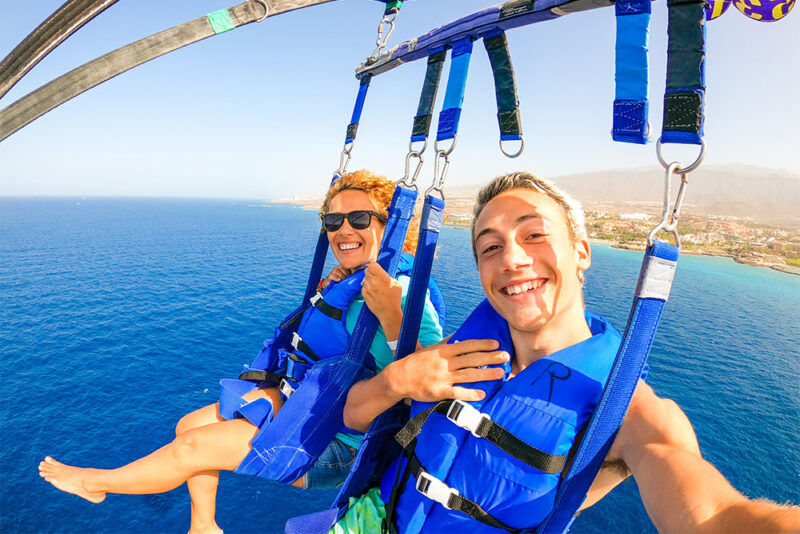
220	21
364	515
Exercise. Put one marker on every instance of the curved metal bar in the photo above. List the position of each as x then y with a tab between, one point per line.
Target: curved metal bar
266	11
689	168
53	94
517	153
65	21
448	151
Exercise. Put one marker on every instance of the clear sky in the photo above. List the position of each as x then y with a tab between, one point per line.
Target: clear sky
260	112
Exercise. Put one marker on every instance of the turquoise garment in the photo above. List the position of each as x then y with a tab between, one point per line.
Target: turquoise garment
430	332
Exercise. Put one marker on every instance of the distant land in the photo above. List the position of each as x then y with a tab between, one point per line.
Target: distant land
748	213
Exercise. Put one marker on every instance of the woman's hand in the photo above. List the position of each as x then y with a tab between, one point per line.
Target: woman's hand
383	296
337	274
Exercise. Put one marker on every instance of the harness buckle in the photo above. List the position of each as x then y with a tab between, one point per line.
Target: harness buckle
296	339
316	298
434	489
467	417
286	388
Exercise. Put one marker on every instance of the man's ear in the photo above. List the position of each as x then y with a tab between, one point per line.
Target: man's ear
584	254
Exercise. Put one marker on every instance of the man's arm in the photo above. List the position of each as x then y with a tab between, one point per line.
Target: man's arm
427	375
680	490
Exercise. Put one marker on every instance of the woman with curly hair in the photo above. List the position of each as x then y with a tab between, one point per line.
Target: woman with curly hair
354	215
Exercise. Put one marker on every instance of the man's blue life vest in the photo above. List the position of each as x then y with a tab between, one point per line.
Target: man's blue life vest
299	359
494	465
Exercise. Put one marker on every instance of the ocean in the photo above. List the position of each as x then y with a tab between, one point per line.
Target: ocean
118	316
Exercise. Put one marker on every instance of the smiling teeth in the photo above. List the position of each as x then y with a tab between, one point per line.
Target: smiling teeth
521	288
349	246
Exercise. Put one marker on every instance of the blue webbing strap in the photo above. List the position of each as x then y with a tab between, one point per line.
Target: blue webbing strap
456	84
686	85
427	97
430	224
505	88
630	99
318	263
352	128
652	291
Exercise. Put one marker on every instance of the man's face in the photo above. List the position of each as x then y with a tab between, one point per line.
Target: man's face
528	264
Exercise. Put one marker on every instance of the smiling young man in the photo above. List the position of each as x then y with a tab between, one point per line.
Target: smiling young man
495	464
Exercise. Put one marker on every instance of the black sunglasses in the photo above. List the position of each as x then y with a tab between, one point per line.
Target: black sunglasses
359	219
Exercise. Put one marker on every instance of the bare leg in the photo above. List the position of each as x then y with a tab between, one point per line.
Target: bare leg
203	486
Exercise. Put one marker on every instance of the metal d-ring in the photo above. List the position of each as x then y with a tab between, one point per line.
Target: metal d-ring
266	10
517	153
449	150
681	168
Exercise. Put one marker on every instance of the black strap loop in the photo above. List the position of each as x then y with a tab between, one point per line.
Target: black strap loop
427	98
505	87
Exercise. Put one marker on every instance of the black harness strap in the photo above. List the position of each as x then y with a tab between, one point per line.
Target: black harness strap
488	430
260	376
455	501
331	311
305	349
433	73
505	87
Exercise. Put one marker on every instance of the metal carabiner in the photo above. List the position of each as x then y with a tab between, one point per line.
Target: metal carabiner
409	179
380	42
344	158
670	215
440	172
517	153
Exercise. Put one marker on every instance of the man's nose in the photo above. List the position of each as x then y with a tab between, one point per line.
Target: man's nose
515	256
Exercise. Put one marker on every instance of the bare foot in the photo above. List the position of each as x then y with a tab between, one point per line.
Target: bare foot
69	479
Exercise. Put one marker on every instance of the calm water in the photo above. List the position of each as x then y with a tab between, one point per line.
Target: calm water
119	316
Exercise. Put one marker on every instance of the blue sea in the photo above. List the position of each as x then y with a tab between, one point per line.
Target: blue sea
118	316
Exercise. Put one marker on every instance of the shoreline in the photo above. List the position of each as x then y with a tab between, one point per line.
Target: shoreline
743	260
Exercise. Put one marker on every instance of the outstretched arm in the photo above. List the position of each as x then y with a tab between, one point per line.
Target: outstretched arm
427	375
681	491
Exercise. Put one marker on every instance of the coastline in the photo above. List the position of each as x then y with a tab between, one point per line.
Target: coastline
753	261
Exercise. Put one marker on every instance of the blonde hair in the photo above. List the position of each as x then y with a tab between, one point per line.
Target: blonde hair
380	190
571	208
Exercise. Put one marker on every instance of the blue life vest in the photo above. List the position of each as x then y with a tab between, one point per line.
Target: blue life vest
494	465
302	356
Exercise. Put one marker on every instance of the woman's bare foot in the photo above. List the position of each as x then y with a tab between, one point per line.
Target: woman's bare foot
69	479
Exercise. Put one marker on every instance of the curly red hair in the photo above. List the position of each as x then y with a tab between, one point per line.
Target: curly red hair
380	190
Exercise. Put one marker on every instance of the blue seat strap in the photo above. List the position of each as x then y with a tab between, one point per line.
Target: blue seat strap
318	263
686	86
401	211
652	291
505	87
430	224
456	84
316	523
352	128
427	97
630	99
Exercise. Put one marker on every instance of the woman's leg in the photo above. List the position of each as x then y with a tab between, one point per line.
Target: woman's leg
203	486
211	447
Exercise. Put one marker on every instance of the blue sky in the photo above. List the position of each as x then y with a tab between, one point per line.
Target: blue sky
260	112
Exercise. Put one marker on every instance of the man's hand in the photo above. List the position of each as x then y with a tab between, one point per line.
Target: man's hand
430	374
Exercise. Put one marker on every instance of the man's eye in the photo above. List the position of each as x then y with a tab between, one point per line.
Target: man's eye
536	235
490	248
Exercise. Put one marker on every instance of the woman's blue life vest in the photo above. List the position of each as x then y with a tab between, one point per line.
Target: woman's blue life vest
299	359
494	465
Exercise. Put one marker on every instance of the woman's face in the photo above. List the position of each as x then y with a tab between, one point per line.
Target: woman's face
353	247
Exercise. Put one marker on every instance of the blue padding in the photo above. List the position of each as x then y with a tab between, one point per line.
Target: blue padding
231	391
415	138
684	138
456	85
602	427
317	523
631	48
430	224
630	121
258	412
514	137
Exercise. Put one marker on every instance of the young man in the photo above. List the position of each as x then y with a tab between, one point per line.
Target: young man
538	390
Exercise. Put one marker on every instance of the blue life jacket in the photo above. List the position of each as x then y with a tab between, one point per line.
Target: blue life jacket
494	465
300	358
